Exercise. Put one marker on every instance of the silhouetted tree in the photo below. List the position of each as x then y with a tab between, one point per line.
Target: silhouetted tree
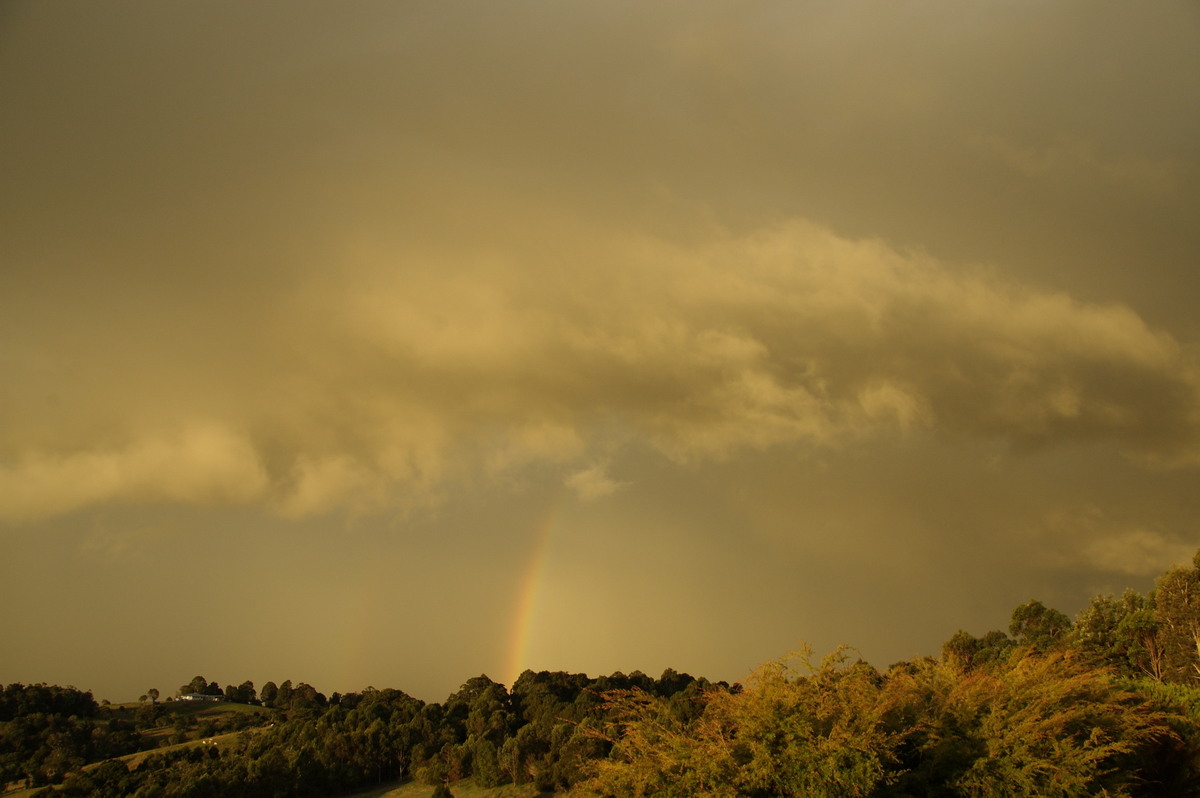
268	693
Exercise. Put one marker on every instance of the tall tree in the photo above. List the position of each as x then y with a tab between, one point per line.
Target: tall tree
1177	612
246	692
268	694
283	696
1120	633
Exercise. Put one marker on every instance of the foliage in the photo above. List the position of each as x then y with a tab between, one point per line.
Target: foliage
1039	627
795	729
1177	614
1044	725
17	700
1120	633
1037	724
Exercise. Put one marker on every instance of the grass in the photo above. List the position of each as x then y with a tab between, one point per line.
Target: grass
220	740
198	711
24	792
461	789
202	708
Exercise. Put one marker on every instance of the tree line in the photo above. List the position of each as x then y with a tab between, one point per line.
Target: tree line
1107	703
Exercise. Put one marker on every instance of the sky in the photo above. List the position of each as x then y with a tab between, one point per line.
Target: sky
392	343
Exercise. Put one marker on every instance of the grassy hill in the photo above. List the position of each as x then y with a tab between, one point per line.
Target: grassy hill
201	724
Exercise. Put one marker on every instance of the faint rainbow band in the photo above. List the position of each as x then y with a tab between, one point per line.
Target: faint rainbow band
529	594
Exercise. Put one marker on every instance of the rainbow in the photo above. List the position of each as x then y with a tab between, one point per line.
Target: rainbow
528	598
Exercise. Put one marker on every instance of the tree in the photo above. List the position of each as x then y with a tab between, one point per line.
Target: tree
153	693
671	682
196	686
268	694
246	692
283	697
1120	633
243	693
966	652
1177	613
305	698
485	763
1045	725
1038	626
795	730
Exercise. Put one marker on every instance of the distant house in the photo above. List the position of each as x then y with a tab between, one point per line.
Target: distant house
201	697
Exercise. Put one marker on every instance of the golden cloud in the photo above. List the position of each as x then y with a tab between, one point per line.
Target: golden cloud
416	367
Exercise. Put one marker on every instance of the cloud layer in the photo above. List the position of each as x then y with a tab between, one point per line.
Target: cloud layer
409	367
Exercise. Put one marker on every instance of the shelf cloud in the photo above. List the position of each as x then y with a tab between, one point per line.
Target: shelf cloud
395	378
